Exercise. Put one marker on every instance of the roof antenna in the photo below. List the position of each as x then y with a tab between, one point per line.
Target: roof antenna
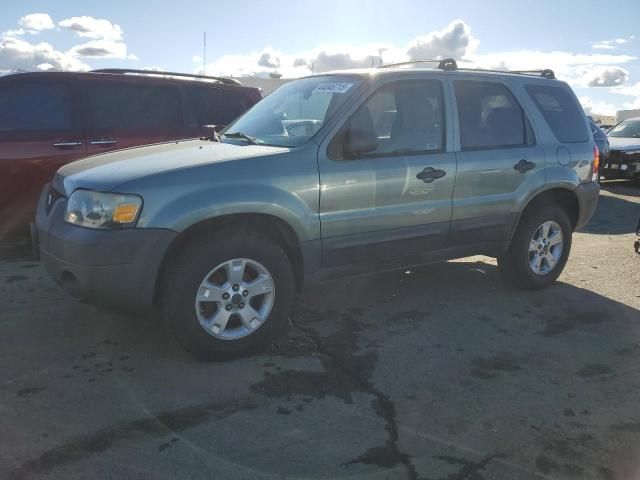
204	55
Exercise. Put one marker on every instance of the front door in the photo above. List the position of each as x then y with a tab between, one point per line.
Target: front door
393	198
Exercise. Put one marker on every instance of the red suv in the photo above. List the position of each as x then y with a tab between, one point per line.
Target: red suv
48	119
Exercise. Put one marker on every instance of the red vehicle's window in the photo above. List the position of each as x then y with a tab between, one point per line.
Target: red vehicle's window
29	107
214	106
129	106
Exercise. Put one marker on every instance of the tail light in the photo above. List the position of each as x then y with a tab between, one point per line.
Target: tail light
596	163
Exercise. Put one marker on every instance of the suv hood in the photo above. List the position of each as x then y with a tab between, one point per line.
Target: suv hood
107	171
624	143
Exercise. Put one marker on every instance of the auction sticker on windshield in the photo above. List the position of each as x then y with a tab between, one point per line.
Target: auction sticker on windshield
333	87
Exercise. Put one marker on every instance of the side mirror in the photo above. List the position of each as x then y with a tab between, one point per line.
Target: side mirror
360	142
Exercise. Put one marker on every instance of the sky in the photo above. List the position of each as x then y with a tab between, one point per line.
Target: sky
593	45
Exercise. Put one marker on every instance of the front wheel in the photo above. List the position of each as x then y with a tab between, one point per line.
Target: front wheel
228	295
539	249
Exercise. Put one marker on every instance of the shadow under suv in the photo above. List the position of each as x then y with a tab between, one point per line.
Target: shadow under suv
334	174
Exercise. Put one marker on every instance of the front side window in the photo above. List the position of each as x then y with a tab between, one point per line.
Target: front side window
626	128
295	112
131	106
35	107
404	117
561	111
489	116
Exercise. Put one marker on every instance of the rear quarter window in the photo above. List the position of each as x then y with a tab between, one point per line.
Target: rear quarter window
561	111
217	106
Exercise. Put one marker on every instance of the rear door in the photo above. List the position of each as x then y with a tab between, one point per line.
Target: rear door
39	132
393	201
127	113
499	161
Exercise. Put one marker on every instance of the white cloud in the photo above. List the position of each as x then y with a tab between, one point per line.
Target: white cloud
36	22
455	40
19	54
633	90
606	77
14	33
90	27
611	44
102	49
105	42
592	107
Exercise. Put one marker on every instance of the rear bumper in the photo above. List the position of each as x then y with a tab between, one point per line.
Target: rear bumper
115	268
587	194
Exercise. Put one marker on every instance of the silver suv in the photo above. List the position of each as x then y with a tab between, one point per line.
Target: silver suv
334	174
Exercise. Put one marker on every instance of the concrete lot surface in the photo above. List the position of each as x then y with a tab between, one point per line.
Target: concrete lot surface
441	372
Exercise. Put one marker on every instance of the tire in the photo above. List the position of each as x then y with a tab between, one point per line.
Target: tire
208	259
515	265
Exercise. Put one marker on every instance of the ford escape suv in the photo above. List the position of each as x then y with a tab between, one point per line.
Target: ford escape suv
48	119
333	174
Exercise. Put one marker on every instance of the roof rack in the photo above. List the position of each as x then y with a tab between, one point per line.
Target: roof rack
225	80
450	64
443	64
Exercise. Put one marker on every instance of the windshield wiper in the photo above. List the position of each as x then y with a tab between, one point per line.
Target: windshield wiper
242	135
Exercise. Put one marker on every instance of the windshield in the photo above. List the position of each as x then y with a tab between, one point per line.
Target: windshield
628	129
291	115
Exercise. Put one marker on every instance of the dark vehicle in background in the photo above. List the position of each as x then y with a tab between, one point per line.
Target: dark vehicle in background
624	156
605	127
48	119
601	139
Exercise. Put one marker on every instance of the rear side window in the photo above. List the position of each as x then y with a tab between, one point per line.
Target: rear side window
129	106
34	107
489	116
217	106
561	111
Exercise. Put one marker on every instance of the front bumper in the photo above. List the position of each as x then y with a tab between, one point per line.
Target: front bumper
116	268
587	194
620	164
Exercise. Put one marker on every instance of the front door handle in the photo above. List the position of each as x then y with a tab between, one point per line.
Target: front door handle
67	144
524	166
430	174
103	141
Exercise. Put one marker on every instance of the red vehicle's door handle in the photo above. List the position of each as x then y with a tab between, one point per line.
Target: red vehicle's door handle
103	141
67	144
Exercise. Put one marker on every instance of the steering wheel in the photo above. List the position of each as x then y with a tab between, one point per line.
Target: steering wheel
307	125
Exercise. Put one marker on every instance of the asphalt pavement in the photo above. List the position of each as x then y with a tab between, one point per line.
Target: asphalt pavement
441	372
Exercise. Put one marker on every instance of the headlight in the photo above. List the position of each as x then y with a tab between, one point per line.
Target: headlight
102	210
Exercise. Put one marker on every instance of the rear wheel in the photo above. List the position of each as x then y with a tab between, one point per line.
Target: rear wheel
539	249
228	295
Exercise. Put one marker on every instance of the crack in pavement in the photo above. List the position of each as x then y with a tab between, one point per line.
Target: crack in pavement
390	454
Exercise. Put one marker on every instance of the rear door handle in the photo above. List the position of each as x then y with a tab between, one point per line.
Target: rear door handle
524	166
430	174
103	141
67	144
